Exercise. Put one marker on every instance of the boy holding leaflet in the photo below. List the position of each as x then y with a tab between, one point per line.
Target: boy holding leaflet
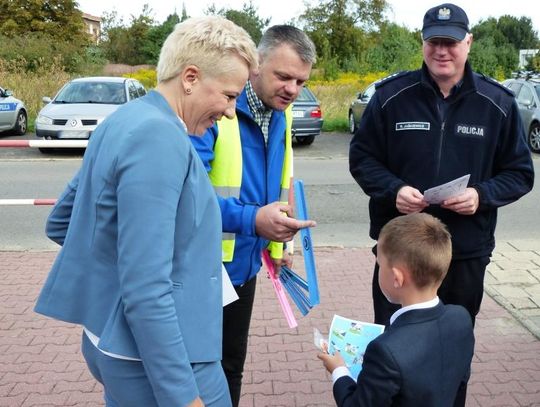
423	358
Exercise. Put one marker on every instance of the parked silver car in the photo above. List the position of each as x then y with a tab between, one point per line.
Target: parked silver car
82	104
358	105
307	117
13	115
527	91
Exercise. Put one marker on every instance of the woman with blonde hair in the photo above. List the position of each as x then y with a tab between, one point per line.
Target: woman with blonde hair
140	229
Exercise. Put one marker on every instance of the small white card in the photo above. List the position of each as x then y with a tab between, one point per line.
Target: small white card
229	293
319	340
440	193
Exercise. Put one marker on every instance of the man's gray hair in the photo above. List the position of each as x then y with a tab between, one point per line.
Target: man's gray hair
298	40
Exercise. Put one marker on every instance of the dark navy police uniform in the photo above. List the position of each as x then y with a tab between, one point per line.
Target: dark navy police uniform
411	135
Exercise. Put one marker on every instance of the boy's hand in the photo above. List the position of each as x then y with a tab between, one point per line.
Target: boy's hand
330	362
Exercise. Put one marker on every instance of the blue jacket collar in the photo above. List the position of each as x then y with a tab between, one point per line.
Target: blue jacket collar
155	98
419	315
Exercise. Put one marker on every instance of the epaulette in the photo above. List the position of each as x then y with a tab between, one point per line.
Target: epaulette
390	78
492	81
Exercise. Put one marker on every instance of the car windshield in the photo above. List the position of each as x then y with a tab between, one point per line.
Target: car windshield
305	96
92	92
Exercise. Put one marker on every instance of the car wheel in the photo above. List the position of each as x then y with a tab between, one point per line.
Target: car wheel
534	138
21	124
352	124
305	141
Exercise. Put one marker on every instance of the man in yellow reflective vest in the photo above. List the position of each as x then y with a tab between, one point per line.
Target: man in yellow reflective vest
249	160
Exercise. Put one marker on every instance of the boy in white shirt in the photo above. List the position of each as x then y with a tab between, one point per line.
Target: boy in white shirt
423	358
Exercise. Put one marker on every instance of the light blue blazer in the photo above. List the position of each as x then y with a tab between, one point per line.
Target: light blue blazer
140	264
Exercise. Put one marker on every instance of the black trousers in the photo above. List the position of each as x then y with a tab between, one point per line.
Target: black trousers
236	320
463	285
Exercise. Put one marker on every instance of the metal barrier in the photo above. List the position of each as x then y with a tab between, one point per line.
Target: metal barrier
38	144
44	143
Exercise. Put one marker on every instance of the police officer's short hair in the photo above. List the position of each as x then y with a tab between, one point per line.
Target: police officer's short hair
278	35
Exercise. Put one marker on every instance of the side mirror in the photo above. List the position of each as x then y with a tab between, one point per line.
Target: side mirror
8	93
46	100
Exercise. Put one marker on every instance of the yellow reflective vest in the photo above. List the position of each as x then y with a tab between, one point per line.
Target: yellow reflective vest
226	173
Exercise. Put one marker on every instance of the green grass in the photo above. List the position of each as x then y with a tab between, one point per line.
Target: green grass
336	124
30	87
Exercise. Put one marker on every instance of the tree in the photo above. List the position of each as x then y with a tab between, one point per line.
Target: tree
42	31
339	28
496	46
126	44
519	33
534	63
156	37
497	61
508	30
138	37
247	18
58	19
394	49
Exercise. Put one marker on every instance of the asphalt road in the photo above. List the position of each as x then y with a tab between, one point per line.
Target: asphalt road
333	197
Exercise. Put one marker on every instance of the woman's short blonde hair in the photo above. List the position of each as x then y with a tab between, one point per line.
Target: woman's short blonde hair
206	42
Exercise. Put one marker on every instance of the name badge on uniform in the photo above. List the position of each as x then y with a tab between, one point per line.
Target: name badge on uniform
412	126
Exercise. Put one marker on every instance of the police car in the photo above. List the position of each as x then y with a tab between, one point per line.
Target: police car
13	115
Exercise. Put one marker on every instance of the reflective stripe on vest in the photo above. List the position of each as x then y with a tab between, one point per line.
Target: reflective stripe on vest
226	173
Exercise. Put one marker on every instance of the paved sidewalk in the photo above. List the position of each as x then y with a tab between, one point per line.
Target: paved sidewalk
41	365
513	280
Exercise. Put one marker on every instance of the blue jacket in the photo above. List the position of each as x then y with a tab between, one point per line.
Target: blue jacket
140	264
261	178
420	360
409	136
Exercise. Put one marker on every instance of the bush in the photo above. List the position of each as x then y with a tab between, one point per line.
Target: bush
148	77
337	95
45	80
38	50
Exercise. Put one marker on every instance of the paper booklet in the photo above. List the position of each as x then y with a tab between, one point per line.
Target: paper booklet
229	293
351	338
440	193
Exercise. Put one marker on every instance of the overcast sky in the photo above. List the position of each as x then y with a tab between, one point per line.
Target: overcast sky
404	12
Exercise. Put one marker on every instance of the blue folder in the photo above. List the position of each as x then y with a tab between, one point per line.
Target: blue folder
303	292
307	247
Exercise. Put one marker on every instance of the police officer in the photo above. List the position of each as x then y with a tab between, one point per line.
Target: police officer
433	125
249	159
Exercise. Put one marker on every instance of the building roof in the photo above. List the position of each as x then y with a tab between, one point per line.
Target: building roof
91	17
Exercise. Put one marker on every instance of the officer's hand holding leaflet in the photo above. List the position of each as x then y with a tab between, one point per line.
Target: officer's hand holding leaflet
464	204
410	200
271	224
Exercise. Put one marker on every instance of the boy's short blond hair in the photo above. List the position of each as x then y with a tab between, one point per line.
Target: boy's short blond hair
421	243
208	43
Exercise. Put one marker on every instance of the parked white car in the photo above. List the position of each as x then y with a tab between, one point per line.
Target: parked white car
82	104
13	115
